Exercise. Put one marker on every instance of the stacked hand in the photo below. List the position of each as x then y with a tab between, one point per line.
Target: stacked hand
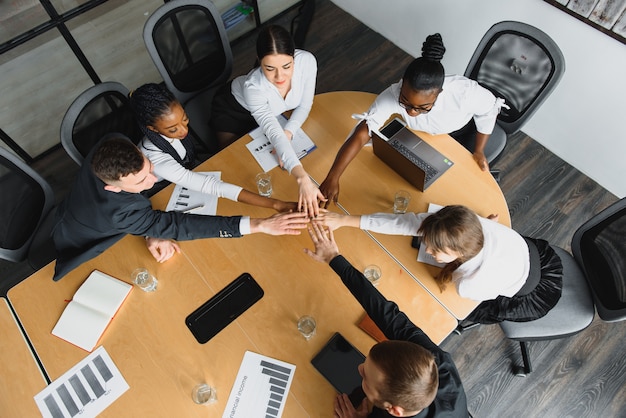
330	189
309	197
280	224
325	246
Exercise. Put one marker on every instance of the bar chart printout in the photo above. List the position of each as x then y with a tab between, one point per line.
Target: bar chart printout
85	390
261	387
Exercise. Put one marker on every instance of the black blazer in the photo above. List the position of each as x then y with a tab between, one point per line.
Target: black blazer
450	401
91	219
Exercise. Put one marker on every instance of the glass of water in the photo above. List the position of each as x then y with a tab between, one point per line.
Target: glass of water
401	201
264	184
203	394
144	280
372	273
307	326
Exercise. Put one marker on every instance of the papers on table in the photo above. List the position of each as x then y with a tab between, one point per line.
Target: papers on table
261	148
261	387
85	390
191	201
422	255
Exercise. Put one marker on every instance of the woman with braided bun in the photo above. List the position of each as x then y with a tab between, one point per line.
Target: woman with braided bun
167	145
428	101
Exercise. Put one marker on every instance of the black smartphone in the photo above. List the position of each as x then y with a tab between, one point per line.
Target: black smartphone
392	128
338	362
223	308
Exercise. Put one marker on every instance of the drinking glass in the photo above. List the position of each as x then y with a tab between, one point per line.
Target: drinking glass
144	280
306	326
401	201
264	184
372	273
203	394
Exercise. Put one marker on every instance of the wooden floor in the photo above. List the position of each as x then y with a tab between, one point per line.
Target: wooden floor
581	376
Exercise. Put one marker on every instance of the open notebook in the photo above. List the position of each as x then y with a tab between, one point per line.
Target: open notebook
88	314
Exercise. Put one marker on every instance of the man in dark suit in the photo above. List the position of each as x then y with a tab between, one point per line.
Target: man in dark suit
105	204
407	376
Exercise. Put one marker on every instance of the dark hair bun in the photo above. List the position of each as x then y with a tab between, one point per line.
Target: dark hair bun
432	48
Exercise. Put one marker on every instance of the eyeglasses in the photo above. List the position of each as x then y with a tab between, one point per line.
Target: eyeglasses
425	108
416	109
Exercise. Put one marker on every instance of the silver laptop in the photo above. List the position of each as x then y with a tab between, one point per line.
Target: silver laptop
410	156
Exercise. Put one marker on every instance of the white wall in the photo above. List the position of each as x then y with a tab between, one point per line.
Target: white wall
583	121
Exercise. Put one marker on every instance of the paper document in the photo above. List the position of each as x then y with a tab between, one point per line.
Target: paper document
261	148
85	390
191	201
261	387
422	255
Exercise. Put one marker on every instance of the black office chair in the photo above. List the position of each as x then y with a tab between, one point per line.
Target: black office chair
599	247
301	22
520	64
187	41
99	111
599	263
26	206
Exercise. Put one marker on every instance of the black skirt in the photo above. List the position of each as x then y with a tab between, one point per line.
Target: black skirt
530	306
227	115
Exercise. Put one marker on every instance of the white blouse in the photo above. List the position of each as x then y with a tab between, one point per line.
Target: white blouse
166	167
259	96
460	100
499	269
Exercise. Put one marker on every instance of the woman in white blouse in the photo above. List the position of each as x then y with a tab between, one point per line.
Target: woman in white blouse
515	278
429	101
284	80
167	145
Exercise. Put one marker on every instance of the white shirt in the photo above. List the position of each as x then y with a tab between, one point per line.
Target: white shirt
259	96
166	167
460	100
499	269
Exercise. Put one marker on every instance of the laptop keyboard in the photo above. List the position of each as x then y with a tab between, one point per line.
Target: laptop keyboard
429	171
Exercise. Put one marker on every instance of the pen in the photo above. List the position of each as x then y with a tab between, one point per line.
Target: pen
301	154
190	208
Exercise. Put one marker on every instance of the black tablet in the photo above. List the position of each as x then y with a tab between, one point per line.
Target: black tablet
338	362
223	308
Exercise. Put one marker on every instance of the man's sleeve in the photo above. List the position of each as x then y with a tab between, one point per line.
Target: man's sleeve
386	314
175	225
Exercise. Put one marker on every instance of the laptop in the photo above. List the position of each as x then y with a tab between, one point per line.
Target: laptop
410	156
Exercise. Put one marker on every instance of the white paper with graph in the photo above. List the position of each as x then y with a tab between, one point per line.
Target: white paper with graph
193	201
85	390
261	387
262	149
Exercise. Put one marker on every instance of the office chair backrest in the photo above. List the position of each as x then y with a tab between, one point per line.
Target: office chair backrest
187	41
519	63
98	111
26	200
599	247
301	23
